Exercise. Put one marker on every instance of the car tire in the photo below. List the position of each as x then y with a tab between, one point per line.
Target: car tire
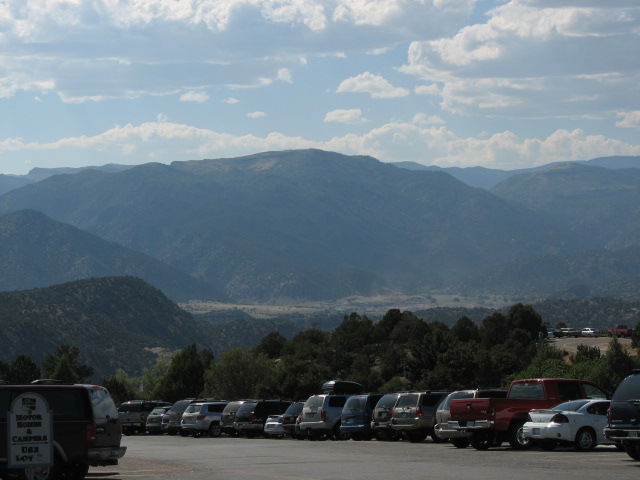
481	440
586	440
460	442
437	439
517	440
215	430
631	450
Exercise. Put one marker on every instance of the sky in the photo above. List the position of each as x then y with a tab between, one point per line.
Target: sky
494	83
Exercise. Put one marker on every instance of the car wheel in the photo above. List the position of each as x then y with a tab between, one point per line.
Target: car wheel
585	440
460	442
437	439
215	430
548	445
517	440
481	440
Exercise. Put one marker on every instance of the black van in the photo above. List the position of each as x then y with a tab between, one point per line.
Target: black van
86	431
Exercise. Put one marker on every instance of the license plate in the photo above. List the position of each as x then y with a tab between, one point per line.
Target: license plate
309	415
535	431
404	415
633	434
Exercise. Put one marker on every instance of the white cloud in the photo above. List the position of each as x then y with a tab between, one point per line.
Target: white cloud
102	49
166	142
629	119
432	89
230	101
198	97
375	85
535	59
257	114
352	116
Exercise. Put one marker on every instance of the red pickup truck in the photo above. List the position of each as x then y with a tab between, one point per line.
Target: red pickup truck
491	421
620	331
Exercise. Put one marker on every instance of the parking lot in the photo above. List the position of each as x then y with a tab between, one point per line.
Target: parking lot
228	458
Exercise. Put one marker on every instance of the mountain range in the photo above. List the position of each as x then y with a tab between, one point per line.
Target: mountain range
309	224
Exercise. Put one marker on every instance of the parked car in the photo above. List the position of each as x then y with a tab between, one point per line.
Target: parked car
590	332
154	420
381	417
273	427
228	417
133	414
85	429
252	415
209	417
175	415
570	332
623	415
290	416
355	420
321	416
414	414
554	332
188	420
442	430
579	423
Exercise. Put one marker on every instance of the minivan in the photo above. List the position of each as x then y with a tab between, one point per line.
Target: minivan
414	414
252	415
355	420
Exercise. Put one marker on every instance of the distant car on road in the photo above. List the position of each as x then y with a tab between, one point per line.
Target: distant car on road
590	332
570	332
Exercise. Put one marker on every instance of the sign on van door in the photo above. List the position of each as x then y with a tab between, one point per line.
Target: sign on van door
30	429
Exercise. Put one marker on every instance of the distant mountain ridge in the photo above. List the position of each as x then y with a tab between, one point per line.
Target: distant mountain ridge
309	224
298	224
488	178
39	252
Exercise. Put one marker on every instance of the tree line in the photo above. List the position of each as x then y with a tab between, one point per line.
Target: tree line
398	352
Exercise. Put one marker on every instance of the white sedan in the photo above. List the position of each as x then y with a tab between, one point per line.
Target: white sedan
273	427
578	422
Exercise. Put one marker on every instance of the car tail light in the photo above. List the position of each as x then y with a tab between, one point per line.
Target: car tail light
609	415
254	418
559	418
200	417
419	412
91	433
323	415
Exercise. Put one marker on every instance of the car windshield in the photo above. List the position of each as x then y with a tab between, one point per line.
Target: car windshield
158	411
573	406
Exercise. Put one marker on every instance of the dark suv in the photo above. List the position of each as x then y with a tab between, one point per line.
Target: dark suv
85	429
133	414
355	421
623	417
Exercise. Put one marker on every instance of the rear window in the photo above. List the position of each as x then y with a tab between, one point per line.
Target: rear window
130	408
337	401
246	407
387	401
232	407
355	403
294	409
180	405
314	401
407	401
454	396
527	390
629	389
158	411
192	408
102	403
